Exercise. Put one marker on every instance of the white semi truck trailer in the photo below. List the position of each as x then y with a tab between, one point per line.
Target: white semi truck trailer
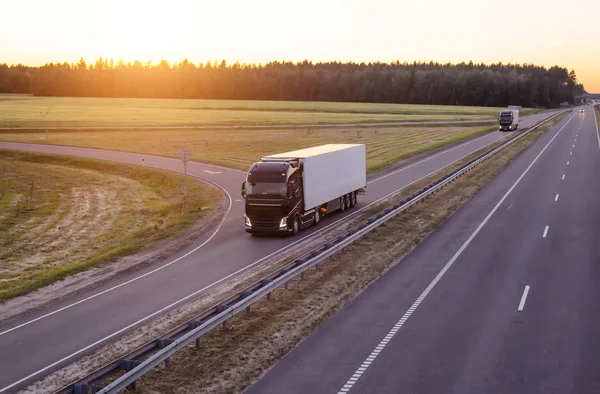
287	192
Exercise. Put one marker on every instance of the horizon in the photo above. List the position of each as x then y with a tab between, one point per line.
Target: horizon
265	31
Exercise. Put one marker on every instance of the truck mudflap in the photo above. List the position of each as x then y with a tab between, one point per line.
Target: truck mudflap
362	191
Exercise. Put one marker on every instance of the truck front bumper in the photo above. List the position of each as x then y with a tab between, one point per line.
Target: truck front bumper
263	227
263	231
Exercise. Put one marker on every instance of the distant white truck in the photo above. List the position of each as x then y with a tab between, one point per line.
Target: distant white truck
289	191
508	119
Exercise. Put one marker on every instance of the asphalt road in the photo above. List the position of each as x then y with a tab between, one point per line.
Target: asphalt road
502	298
49	338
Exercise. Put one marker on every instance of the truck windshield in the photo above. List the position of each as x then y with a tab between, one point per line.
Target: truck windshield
278	188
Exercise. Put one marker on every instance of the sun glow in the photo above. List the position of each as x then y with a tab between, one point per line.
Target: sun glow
260	31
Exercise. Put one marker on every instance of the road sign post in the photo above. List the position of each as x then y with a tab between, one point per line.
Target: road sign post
185	155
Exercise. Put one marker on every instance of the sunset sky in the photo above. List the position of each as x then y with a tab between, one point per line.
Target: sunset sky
546	32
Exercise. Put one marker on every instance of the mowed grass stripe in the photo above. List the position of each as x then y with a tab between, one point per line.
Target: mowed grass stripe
240	148
28	111
85	213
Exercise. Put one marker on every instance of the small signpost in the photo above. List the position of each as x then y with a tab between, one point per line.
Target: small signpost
185	155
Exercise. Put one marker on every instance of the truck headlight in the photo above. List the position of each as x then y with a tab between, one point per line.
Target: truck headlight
247	220
283	222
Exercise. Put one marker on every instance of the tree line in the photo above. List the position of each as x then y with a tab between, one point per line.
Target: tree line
497	84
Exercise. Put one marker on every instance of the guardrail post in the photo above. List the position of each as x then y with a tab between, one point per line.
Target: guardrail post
198	343
128	365
96	388
220	309
80	388
285	285
194	324
164	342
248	308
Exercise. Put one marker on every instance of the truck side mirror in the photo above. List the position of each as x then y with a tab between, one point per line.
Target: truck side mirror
244	190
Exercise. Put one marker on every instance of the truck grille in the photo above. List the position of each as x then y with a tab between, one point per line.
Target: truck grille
264	223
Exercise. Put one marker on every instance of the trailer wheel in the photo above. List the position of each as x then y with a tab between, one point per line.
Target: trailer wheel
296	225
343	203
354	198
350	200
317	216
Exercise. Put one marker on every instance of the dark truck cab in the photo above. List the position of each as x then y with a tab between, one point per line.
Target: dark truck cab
273	193
508	120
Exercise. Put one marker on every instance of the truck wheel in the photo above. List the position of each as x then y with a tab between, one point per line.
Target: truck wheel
343	203
296	225
350	200
354	198
317	216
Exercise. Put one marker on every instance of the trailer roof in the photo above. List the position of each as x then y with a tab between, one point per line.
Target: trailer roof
310	152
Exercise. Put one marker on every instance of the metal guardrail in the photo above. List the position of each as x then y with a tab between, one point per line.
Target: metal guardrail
193	330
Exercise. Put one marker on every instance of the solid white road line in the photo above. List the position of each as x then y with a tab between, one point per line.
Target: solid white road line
354	378
133	279
545	231
523	298
556	198
436	155
321	230
230	203
222	279
596	123
441	153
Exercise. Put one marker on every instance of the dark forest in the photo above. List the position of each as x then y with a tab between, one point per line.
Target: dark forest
407	83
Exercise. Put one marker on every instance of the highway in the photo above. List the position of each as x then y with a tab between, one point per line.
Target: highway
501	298
46	339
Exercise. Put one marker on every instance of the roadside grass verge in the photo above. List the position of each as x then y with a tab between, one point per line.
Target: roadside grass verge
30	111
240	148
62	215
230	360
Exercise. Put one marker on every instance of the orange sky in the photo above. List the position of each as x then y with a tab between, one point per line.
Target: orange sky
542	32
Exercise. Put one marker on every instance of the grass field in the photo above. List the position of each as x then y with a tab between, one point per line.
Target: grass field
240	148
62	215
29	111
